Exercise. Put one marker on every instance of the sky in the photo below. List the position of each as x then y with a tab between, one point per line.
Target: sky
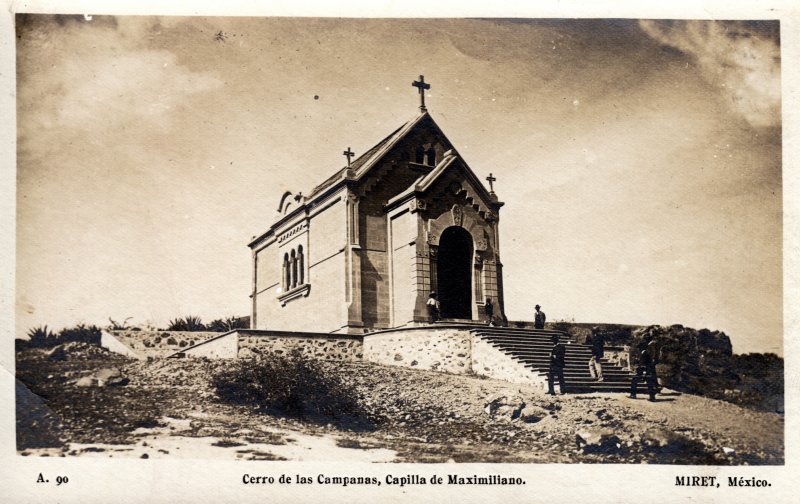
640	161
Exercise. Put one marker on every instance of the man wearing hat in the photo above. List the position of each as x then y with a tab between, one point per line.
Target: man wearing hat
539	318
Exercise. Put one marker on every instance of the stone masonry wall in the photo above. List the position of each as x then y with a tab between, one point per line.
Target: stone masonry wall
489	361
436	349
160	343
318	346
225	346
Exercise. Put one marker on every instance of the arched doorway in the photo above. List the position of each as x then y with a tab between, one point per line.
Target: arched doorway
454	272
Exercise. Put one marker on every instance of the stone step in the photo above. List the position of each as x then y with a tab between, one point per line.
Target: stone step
530	341
533	339
525	337
568	359
515	330
532	348
542	349
585	374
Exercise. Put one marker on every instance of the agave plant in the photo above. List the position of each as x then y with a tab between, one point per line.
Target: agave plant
80	333
40	336
229	324
188	323
116	326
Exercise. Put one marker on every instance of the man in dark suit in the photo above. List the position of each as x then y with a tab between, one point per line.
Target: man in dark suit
647	370
557	363
539	318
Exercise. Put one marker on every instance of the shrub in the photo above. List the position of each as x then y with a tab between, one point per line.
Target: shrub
188	323
116	326
293	386
40	336
229	324
80	333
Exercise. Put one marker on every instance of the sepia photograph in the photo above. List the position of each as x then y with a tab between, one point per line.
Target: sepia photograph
516	241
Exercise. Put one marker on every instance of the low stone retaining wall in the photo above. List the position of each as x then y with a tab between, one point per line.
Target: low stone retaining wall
154	343
449	349
316	345
445	349
251	342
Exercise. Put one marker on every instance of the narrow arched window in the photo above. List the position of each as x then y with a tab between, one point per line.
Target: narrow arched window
419	157
286	281
431	155
294	269
301	264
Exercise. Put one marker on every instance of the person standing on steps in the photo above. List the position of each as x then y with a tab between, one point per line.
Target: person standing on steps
433	307
539	318
597	342
557	363
489	307
647	370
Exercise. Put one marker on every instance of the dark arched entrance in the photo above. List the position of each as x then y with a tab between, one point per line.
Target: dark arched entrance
454	268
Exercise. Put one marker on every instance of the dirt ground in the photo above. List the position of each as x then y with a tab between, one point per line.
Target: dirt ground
167	408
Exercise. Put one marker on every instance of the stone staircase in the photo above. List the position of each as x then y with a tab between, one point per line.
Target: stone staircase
532	347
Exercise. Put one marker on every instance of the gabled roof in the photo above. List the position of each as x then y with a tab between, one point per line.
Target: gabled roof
362	165
364	162
424	182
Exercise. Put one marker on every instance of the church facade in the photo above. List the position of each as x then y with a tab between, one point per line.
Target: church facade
367	246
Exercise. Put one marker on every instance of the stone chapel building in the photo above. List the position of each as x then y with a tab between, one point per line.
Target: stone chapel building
364	249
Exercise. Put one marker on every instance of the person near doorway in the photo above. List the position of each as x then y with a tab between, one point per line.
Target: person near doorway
489	307
597	344
433	307
539	318
557	363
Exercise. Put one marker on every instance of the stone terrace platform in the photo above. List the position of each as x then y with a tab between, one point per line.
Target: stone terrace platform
512	354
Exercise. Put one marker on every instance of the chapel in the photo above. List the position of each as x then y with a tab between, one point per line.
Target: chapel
363	250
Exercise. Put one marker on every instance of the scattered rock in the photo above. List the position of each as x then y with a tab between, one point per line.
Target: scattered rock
505	406
533	414
57	354
597	441
110	377
86	381
660	437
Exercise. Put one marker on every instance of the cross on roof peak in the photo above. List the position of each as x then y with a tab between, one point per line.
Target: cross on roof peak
491	180
349	154
422	86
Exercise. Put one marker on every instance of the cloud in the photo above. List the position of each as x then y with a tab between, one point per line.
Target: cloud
99	75
741	58
136	85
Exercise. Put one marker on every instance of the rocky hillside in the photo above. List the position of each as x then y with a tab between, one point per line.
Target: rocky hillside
83	401
699	361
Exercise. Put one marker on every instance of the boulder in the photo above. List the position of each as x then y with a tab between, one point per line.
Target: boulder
107	377
663	439
86	381
505	406
597	441
533	414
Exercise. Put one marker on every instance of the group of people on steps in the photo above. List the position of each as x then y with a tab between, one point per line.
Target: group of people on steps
645	371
